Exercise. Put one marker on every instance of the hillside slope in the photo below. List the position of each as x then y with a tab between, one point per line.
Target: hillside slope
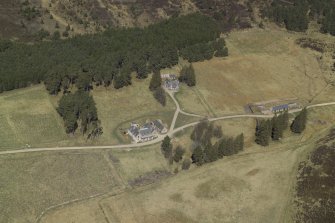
24	19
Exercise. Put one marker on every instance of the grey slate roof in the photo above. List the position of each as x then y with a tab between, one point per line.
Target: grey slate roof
280	107
172	84
146	130
158	125
134	130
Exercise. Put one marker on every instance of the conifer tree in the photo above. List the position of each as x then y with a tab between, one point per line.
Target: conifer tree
221	49
239	143
210	153
277	130
263	132
221	146
156	80
217	132
198	156
187	75
284	120
166	147
186	164
299	123
191	80
160	95
178	154
230	149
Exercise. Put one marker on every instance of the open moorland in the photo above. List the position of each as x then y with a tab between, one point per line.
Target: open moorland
263	65
24	19
32	183
135	185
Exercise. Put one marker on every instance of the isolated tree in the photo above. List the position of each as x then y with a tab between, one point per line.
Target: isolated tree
56	35
178	155
65	33
299	123
263	132
198	156
186	164
156	80
166	147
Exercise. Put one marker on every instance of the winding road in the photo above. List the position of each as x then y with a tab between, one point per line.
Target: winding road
170	133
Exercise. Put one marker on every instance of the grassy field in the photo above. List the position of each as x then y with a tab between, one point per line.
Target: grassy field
251	188
254	186
118	108
135	163
28	116
263	65
30	183
185	119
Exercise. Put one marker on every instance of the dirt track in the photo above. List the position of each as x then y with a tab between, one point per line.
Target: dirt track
171	132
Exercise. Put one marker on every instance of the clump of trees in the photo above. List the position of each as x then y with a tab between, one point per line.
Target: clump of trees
78	110
205	51
160	95
156	87
263	132
297	14
299	123
174	155
187	75
186	164
274	128
109	57
178	154
166	147
205	151
156	80
29	12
